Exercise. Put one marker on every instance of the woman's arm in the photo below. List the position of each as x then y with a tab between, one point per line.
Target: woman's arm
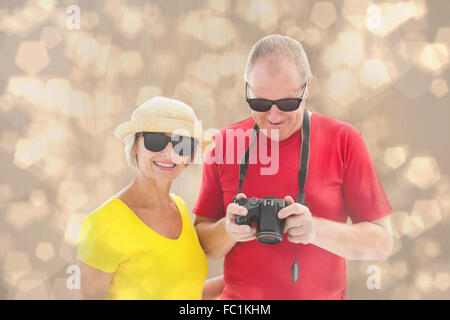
212	235
218	237
94	282
213	288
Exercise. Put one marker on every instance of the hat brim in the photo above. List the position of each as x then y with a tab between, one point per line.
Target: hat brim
171	126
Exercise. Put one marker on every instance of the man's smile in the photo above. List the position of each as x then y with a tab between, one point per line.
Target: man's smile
279	123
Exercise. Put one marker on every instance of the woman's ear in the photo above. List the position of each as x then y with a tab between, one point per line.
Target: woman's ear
134	151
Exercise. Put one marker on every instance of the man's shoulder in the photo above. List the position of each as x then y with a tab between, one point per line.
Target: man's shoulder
228	133
243	125
335	126
247	123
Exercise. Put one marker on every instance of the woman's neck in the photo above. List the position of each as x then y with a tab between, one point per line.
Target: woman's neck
148	193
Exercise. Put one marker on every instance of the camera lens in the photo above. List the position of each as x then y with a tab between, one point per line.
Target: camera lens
269	237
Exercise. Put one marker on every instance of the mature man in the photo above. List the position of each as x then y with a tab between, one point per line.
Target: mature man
341	182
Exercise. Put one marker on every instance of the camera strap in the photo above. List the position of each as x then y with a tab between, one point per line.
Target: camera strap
243	166
302	174
304	159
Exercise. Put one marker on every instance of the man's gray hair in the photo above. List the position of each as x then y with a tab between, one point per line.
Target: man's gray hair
275	46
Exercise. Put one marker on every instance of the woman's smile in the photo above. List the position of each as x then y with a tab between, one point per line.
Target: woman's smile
165	165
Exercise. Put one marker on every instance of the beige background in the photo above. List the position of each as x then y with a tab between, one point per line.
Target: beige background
382	66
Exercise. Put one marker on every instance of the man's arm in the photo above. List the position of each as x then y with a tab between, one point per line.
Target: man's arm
368	240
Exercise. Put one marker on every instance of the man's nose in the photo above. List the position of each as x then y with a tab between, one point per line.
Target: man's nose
274	114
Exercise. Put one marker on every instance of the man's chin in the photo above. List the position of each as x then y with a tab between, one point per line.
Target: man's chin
274	134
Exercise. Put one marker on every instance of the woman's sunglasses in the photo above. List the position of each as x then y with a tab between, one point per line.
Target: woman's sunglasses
157	141
263	105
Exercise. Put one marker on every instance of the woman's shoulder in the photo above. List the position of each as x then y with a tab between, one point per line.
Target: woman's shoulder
182	207
111	205
177	199
179	202
100	241
108	211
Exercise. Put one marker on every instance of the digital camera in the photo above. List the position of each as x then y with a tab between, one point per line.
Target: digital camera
263	212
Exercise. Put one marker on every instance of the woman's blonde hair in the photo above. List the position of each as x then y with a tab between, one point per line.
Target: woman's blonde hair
275	46
130	141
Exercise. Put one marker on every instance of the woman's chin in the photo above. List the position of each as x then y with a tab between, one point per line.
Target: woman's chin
164	173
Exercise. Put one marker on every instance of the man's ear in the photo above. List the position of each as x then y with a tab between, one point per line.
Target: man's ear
308	84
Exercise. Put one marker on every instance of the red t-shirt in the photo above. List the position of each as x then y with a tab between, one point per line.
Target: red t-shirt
341	183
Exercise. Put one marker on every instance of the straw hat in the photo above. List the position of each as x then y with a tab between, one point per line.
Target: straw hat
161	114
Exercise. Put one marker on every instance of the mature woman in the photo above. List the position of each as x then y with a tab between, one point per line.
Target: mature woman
141	244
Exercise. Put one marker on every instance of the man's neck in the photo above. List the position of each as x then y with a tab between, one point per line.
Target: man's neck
297	128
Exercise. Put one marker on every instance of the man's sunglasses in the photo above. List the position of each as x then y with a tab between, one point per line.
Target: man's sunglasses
263	105
157	141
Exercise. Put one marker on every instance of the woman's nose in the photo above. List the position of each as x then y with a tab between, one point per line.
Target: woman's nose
168	149
170	154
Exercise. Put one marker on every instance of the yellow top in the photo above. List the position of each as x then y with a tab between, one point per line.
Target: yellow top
145	264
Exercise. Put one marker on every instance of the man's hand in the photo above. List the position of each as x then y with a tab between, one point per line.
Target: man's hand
300	225
235	231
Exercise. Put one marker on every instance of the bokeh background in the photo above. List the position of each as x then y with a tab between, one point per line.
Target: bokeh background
383	66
